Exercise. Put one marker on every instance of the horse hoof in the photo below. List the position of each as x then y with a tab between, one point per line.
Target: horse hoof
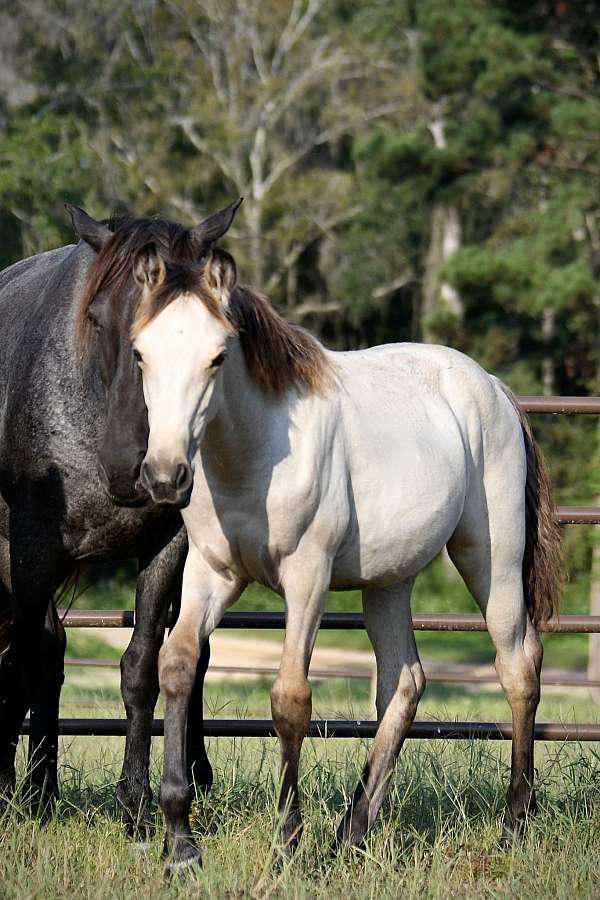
284	851
183	868
282	856
512	833
348	835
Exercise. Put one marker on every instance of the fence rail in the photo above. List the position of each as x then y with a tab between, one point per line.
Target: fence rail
335	621
340	728
343	728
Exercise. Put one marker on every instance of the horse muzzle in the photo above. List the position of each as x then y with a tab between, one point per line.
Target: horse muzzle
168	485
123	488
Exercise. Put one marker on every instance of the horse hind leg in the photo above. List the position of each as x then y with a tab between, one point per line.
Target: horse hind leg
400	685
491	566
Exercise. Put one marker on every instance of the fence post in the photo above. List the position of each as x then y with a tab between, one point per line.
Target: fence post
594	645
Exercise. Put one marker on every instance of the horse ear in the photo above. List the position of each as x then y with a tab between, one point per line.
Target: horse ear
94	233
149	269
220	274
213	228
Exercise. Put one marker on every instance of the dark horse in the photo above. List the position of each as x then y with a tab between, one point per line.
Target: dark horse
73	432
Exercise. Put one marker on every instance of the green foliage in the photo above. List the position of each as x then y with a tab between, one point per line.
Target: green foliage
173	107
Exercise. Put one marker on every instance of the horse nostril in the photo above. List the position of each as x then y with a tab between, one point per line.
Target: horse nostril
182	475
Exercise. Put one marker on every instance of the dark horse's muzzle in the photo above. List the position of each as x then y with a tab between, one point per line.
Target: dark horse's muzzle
123	487
168	485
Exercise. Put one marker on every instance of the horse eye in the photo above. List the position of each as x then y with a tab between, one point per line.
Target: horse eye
137	355
218	360
93	321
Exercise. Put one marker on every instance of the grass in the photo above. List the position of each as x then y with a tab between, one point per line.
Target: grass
437	836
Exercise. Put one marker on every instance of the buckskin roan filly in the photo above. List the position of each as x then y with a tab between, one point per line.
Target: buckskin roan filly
315	470
73	432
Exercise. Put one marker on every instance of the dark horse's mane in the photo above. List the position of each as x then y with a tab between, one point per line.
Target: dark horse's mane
278	355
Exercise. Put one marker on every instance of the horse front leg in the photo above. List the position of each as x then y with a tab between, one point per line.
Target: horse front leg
158	586
291	695
11	714
40	789
205	597
28	580
200	773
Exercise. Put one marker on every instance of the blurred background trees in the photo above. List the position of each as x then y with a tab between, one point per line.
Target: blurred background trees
411	170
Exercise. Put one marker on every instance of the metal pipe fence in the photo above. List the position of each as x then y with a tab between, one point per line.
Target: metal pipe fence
343	728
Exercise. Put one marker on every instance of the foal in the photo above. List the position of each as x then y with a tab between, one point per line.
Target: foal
314	470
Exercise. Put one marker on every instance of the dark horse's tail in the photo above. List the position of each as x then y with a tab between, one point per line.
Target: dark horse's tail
543	573
6	627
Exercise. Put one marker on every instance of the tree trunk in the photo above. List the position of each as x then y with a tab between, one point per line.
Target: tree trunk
253	210
548	330
439	297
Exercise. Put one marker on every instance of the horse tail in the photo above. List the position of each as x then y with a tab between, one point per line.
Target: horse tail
543	571
6	628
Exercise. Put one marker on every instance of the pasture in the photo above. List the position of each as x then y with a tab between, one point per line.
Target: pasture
438	835
439	832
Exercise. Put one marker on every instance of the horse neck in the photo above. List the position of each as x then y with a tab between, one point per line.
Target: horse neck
71	379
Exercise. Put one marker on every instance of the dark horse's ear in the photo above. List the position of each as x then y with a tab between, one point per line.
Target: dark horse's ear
96	234
149	269
205	234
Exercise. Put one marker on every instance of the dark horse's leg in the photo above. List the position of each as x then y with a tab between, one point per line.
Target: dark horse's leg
40	789
33	566
158	587
11	714
41	784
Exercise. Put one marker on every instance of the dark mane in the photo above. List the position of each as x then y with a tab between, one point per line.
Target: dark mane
278	355
112	269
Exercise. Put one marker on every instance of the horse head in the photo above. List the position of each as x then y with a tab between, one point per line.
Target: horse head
130	253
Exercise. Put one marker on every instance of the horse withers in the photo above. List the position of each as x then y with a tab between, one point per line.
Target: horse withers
73	431
315	470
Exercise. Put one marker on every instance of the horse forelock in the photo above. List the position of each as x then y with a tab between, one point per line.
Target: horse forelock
112	269
179	280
